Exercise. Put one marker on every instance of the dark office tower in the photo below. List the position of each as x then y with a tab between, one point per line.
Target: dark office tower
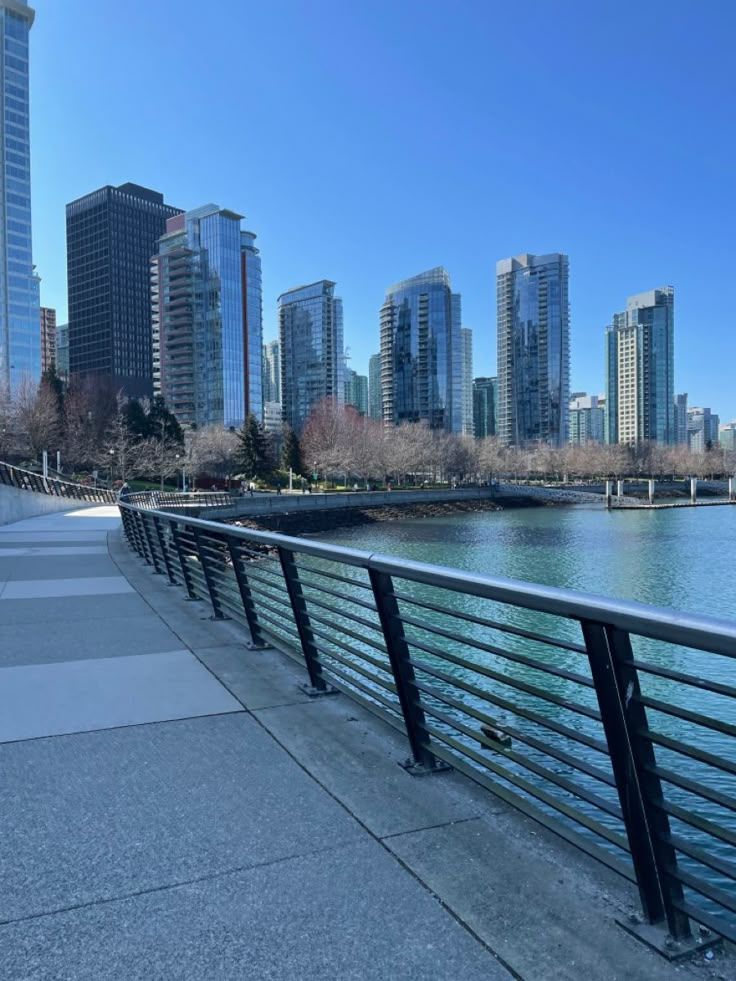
533	350
111	235
485	406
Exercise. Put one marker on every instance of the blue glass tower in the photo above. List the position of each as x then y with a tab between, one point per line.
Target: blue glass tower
20	334
533	350
312	355
421	353
207	316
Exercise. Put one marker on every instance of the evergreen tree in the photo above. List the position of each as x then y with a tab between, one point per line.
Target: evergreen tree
136	419
291	453
252	449
55	384
162	423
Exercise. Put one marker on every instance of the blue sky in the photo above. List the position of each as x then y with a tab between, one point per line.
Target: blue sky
369	140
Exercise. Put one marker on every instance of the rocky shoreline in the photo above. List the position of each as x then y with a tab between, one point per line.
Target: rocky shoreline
313	522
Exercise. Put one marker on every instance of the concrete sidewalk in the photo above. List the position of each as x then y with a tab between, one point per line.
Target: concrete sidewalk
173	807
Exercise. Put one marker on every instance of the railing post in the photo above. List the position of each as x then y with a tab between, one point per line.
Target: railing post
622	715
185	574
257	641
146	540
164	551
423	760
627	681
136	531
151	546
211	585
318	685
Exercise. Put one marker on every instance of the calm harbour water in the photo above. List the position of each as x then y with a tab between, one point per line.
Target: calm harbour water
681	558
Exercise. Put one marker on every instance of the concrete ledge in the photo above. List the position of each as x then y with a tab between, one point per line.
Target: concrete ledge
15	505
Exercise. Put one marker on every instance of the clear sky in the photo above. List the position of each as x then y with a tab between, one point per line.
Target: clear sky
369	140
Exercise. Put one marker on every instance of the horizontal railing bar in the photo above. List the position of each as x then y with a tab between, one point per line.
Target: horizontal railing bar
491	624
375	644
363	604
571	813
353	617
668	708
389	717
559	780
256	577
713	923
713	861
369	658
716	687
714	893
503	679
530	662
697	788
717	762
334	671
313	570
696	821
684	629
358	668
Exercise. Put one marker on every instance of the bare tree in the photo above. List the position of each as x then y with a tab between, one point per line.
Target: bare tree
37	414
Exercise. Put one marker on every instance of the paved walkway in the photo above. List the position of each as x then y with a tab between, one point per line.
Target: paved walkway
173	807
150	827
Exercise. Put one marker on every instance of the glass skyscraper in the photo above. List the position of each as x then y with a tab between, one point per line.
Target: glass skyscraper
375	394
271	372
356	391
421	353
312	355
111	235
466	335
533	350
207	317
485	407
20	336
640	369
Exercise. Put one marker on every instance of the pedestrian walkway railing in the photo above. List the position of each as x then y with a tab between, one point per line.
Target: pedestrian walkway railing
56	486
167	499
610	722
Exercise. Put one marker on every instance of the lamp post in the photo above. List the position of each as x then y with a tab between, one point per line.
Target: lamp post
112	458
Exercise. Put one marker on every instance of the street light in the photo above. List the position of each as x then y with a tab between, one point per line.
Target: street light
112	457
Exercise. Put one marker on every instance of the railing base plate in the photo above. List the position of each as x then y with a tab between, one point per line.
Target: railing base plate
656	936
415	769
318	692
253	646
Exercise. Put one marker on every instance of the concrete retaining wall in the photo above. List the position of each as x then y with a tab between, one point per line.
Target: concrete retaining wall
15	505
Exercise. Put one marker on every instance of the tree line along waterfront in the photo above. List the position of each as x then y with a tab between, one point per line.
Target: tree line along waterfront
100	435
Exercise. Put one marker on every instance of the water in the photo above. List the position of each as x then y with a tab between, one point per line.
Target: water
681	558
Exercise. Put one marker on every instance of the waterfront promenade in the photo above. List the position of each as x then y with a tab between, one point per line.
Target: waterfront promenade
175	807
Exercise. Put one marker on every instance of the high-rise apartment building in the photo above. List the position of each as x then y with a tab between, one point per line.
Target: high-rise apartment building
356	391
485	407
62	351
48	338
727	437
640	367
207	319
533	350
466	349
680	419
312	354
421	353
20	341
587	418
702	430
271	372
111	235
375	400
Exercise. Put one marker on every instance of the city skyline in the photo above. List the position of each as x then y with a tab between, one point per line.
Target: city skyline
573	204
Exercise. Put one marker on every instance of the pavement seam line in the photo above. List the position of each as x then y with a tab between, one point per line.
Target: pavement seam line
429	827
167	887
414	875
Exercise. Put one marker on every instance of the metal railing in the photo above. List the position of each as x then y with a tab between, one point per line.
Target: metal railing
57	487
167	499
609	722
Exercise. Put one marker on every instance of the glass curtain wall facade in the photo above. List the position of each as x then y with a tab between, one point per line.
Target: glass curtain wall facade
485	407
587	419
312	353
681	418
356	391
640	368
20	340
111	235
375	400
466	336
421	353
48	338
271	372
206	315
533	350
